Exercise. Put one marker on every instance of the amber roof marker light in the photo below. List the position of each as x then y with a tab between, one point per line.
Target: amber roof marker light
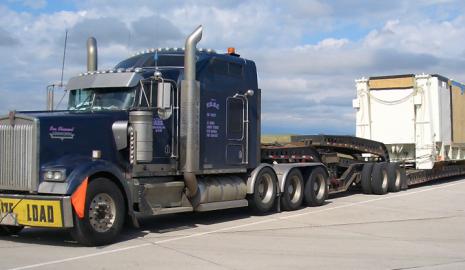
232	51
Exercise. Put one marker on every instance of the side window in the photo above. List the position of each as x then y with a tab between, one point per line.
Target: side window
235	69
235	118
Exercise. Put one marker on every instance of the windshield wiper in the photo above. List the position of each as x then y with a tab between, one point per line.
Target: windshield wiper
86	104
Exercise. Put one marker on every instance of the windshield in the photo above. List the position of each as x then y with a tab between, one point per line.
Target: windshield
97	99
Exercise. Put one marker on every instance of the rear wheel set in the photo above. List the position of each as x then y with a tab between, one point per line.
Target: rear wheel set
313	191
382	177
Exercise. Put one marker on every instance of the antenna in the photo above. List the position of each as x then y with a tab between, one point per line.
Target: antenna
155	58
64	57
62	72
51	87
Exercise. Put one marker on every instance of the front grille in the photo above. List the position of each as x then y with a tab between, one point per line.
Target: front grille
19	168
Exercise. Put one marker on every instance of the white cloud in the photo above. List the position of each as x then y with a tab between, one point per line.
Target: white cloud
307	86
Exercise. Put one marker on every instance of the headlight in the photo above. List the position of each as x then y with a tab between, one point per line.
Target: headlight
55	175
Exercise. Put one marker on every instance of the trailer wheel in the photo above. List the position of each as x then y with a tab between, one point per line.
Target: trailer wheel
316	187
104	215
264	195
6	230
366	177
394	176
379	179
293	194
403	179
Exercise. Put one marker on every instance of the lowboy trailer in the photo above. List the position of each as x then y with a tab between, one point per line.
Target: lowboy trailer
167	131
420	119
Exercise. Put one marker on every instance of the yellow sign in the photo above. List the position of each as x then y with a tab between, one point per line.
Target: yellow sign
38	213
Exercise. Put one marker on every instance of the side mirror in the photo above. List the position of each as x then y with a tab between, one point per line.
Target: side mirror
164	96
164	100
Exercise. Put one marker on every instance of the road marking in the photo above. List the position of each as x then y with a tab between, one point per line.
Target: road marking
268	220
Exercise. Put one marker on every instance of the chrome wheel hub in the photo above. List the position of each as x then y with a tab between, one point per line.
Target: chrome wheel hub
102	212
265	190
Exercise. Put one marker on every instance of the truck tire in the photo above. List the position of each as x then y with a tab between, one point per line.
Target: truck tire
379	179
293	193
104	214
316	187
6	230
394	176
366	178
264	195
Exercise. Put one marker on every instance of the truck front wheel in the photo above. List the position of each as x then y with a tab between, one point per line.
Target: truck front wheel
104	214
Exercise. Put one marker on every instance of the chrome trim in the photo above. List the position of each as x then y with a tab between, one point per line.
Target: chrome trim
253	177
104	80
120	134
19	153
190	110
67	211
92	56
221	205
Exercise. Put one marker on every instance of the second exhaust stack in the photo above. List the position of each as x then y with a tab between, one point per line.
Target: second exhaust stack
190	113
92	57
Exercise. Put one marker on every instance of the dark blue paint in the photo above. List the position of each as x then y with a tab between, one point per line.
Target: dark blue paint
93	130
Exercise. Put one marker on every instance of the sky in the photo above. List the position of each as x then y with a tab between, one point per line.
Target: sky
308	52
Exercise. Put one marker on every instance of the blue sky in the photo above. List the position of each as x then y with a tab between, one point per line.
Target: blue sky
308	52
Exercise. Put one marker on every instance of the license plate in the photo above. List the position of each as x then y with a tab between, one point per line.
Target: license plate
36	212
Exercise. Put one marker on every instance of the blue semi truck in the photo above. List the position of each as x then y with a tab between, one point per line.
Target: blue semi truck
167	131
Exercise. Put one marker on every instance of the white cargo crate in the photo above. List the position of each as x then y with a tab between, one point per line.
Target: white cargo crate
420	118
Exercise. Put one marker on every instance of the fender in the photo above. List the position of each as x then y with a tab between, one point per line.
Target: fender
87	169
253	177
90	167
83	167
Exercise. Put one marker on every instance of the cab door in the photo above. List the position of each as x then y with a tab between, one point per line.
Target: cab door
235	133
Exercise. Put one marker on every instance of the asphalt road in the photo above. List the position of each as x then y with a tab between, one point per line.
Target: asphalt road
422	228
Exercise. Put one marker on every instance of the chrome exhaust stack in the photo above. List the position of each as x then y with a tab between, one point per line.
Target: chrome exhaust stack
190	113
92	57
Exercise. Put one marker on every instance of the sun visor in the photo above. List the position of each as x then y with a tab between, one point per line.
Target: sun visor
104	80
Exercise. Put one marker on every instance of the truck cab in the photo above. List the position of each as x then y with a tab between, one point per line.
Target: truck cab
166	130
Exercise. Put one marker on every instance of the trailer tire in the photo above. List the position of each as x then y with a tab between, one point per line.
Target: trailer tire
379	179
293	193
6	230
265	188
104	214
394	176
404	182
366	177
316	187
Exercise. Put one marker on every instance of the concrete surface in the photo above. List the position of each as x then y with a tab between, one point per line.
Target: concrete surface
422	228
